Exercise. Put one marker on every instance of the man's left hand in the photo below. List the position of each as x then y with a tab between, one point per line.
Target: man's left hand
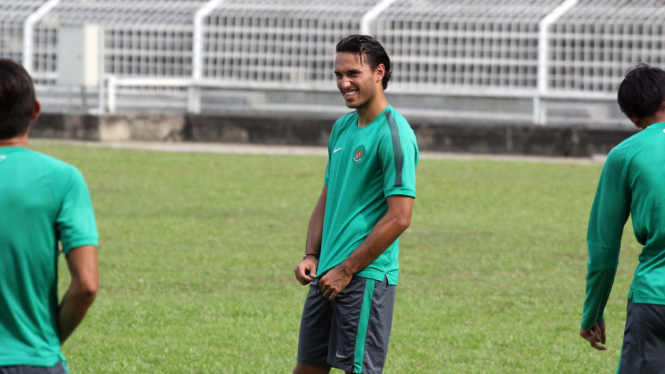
334	282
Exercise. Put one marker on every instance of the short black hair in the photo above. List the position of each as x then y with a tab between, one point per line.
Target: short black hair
17	99
370	49
642	91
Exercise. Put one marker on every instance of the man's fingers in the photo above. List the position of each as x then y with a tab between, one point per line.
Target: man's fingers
331	294
300	280
301	276
598	347
600	334
594	339
590	336
603	334
596	330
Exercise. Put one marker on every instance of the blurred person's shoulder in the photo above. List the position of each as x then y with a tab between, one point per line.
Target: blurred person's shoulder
60	172
643	147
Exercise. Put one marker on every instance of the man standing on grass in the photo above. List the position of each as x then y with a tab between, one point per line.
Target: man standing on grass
43	201
352	241
632	182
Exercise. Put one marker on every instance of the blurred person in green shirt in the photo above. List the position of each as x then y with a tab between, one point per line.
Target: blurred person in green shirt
632	183
44	208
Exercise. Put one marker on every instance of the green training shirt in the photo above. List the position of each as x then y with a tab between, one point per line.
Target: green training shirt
42	201
365	166
631	183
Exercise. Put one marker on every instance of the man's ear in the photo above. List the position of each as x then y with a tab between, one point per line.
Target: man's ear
380	72
37	110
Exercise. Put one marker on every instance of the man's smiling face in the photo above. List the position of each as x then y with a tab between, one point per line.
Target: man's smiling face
355	78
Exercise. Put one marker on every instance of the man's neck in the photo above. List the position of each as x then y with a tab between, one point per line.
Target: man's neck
367	113
18	141
657	117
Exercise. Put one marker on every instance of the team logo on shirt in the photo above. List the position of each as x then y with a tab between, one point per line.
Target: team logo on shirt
2	158
359	153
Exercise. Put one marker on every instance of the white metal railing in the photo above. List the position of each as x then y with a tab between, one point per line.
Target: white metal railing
28	30
516	52
539	115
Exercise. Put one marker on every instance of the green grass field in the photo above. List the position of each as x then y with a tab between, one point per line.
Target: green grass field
197	254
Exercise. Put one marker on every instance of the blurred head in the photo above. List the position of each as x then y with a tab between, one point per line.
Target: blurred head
641	94
18	106
362	68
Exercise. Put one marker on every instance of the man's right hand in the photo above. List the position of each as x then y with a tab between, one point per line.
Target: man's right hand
595	335
306	270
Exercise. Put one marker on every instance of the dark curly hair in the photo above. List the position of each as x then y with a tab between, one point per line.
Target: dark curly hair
370	50
642	92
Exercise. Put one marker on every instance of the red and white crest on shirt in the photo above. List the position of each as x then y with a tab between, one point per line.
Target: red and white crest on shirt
359	153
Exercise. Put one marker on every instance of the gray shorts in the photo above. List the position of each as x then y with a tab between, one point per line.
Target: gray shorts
351	332
643	348
25	369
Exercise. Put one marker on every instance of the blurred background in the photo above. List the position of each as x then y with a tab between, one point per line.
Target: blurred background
537	62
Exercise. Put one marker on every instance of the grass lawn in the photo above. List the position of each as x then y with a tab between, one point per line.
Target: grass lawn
197	253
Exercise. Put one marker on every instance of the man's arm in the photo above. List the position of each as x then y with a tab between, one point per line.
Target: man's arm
384	234
82	262
610	211
306	270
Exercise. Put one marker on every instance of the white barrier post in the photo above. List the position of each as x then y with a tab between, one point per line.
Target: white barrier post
539	110
111	93
194	101
28	32
366	21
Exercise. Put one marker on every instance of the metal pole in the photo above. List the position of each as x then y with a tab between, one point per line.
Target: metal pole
366	21
538	111
194	102
543	56
28	32
102	67
111	93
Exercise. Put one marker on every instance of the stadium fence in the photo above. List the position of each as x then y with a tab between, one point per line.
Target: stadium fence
536	61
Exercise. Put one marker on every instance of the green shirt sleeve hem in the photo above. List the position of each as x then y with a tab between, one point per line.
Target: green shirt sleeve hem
401	191
80	243
598	288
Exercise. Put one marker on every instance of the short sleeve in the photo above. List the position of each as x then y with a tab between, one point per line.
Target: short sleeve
398	154
76	219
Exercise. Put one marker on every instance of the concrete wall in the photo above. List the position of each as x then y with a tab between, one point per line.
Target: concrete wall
576	141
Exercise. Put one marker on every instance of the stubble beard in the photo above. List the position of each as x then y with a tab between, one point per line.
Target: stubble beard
367	99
